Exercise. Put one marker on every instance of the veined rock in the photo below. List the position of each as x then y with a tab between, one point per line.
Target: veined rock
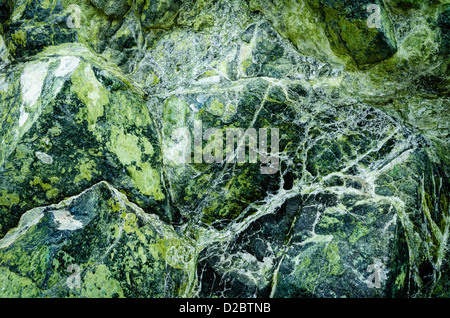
256	148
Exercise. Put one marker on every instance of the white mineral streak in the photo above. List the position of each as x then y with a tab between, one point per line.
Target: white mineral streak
3	84
67	66
3	52
66	221
44	158
32	81
23	116
26	222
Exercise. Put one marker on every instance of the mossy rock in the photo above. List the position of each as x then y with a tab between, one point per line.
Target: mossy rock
76	125
443	23
349	31
158	14
95	245
115	9
35	25
94	201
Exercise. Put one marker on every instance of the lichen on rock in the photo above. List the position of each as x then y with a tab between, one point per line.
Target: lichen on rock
125	252
121	126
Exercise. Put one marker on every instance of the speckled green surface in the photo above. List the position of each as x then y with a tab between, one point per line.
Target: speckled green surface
93	91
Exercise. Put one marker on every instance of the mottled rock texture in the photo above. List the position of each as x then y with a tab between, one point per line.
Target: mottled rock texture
95	203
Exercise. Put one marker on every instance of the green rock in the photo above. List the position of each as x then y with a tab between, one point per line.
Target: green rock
112	8
444	24
76	125
324	237
35	25
116	178
5	10
349	31
157	14
95	245
339	28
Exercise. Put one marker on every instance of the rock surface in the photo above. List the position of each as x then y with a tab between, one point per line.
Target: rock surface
111	246
99	100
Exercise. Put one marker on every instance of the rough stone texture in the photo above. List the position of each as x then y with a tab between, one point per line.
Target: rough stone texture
347	29
75	121
341	23
93	95
444	25
34	25
119	251
112	8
